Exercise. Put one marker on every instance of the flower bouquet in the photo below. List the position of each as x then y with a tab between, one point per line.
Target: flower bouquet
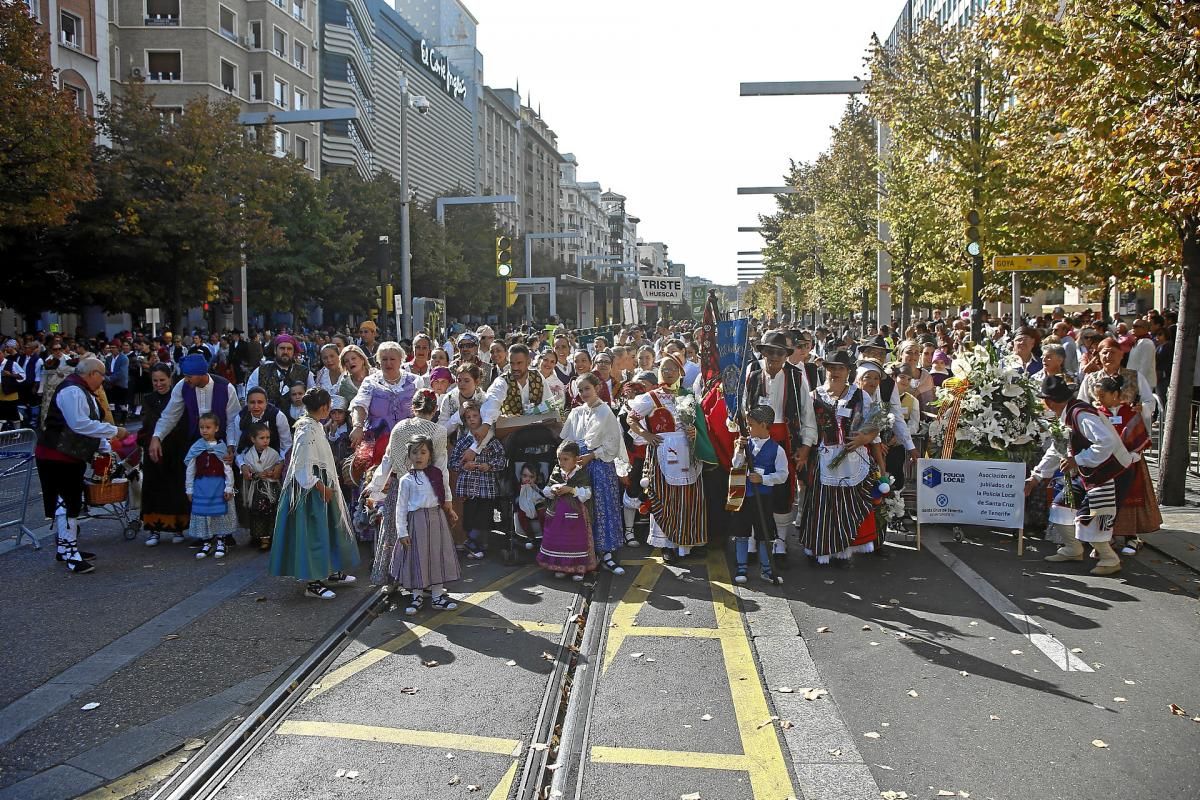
878	421
687	408
989	410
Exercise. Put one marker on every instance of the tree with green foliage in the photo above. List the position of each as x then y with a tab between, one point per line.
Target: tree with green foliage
45	143
1118	80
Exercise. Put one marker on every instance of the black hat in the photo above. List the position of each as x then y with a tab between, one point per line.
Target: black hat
1056	388
839	358
874	341
775	339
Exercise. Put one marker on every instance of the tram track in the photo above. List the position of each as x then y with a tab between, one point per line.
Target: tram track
549	757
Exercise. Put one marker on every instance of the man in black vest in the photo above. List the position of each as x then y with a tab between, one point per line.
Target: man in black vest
277	376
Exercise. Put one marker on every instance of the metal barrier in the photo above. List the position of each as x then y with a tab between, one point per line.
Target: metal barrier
16	479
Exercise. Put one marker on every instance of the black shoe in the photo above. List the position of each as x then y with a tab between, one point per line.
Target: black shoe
85	555
80	567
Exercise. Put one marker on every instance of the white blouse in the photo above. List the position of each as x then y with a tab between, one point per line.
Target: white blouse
598	429
415	494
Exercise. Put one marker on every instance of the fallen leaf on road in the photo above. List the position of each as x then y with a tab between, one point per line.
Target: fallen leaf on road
636	655
1076	649
1177	711
409	690
430	663
351	774
471	787
260	599
455	780
508	631
510	663
787	725
813	694
994	718
1130	683
193	744
889	795
823	629
1017	652
546	656
650	660
1099	743
871	735
943	652
972	624
767	722
171	636
837	751
945	793
894	602
913	693
692	796
539	746
89	706
874	644
552	767
991	638
1119	700
885	766
341	773
785	689
963	673
706	717
866	627
829	583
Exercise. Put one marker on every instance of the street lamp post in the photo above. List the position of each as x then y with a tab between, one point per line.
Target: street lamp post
420	103
529	237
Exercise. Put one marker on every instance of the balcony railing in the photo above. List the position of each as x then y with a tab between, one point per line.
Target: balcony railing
69	41
164	20
163	77
230	35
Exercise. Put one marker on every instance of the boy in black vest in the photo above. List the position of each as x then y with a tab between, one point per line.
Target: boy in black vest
767	467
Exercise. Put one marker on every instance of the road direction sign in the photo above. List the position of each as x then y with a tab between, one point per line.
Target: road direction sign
1052	262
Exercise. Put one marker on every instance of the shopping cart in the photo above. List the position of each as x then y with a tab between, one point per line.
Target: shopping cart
111	487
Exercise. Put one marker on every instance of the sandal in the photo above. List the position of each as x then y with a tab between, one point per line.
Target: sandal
340	577
416	604
612	566
319	591
443	602
631	539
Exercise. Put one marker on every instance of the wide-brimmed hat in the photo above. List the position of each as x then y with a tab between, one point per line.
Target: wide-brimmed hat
774	339
1056	388
839	358
874	341
868	364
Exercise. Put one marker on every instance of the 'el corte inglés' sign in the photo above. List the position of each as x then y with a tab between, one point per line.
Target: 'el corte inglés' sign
960	492
661	290
439	65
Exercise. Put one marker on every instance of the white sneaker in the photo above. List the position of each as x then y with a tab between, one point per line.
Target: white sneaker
578	578
152	540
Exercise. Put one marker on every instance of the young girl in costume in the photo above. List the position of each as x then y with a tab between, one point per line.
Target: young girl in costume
312	527
477	478
567	546
295	409
424	559
531	504
209	486
262	468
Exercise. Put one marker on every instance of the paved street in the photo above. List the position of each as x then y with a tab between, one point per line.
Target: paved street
960	668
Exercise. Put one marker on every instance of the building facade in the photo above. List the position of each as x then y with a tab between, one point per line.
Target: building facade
77	31
653	258
540	161
499	148
263	54
582	210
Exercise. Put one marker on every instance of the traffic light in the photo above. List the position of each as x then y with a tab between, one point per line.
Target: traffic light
504	256
510	293
212	290
973	247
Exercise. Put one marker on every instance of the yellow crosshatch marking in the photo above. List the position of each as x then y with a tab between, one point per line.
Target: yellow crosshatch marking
762	755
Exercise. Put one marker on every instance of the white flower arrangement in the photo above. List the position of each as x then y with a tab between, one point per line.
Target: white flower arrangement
687	408
893	506
999	413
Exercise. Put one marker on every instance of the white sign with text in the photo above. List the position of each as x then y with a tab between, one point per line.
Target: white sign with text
961	492
661	290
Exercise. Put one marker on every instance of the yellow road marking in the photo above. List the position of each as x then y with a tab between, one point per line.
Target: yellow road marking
670	758
134	782
376	733
626	612
502	624
768	770
505	786
377	654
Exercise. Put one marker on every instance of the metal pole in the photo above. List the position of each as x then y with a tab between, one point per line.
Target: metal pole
528	274
976	196
405	246
883	258
1016	300
779	300
242	258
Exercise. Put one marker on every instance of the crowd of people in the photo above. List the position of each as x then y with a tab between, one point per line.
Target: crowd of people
573	444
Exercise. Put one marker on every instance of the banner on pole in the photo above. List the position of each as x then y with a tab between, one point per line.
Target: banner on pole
962	492
732	344
661	290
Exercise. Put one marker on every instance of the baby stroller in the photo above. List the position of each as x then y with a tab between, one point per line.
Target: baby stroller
531	451
113	486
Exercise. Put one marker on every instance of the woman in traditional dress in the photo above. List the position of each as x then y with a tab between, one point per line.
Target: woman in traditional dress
384	398
383	486
1135	389
1137	506
922	387
672	473
355	369
418	364
547	363
468	388
839	521
595	428
330	373
165	507
312	526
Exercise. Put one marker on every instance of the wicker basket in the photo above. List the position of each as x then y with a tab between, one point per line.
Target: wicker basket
106	492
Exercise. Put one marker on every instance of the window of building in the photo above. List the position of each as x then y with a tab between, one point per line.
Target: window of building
229	77
254	38
279	43
32	7
169	115
164	65
300	55
280	95
162	12
281	142
299	100
227	23
78	97
299	9
302	150
70	30
256	86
